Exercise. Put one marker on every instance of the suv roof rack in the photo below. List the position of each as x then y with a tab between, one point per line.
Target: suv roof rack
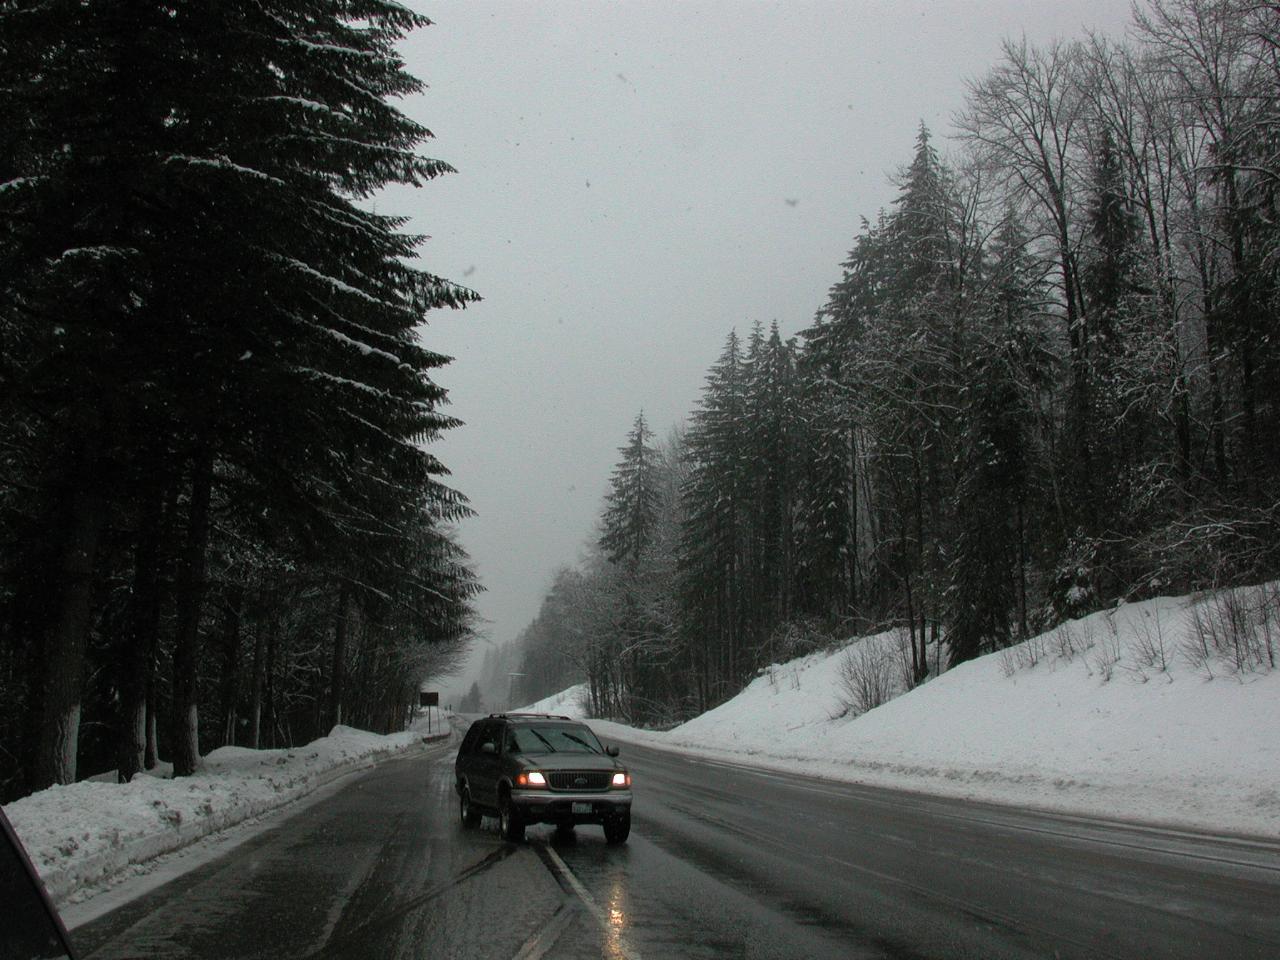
518	715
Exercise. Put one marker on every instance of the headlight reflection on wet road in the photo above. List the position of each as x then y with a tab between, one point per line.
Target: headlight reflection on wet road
612	917
617	921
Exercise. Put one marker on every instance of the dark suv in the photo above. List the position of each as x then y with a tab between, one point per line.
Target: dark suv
538	768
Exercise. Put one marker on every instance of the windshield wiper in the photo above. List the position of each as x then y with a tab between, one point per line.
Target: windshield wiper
543	739
577	739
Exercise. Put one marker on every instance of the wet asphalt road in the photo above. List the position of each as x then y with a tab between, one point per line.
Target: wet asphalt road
723	861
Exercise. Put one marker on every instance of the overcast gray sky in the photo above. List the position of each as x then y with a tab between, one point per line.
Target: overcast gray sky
635	179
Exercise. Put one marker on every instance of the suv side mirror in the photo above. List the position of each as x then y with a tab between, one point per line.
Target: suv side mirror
33	928
611	751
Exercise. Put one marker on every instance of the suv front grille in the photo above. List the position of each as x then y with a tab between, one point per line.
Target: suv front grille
579	780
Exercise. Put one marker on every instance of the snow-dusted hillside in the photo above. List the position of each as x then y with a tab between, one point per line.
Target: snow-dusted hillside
1117	714
566	703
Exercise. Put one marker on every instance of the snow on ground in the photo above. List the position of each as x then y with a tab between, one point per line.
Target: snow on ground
1111	715
82	835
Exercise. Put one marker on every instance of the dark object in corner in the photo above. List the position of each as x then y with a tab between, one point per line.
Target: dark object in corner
32	927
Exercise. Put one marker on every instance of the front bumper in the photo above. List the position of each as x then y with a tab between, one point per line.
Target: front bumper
545	806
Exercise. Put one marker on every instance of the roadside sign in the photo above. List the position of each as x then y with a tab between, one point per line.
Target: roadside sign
427	700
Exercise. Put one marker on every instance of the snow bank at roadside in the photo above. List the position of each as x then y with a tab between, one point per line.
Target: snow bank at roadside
82	834
1108	716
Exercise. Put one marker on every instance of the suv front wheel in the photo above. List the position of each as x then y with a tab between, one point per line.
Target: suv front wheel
510	823
617	828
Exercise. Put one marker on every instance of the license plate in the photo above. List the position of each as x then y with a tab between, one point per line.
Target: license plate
582	808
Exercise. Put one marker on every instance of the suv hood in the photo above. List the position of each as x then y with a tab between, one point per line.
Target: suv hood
571	761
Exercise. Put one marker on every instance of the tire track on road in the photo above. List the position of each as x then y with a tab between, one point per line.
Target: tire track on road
392	917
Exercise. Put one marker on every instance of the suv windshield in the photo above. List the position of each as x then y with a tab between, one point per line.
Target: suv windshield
555	738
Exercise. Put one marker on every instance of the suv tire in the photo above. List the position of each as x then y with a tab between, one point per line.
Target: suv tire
510	825
617	829
469	812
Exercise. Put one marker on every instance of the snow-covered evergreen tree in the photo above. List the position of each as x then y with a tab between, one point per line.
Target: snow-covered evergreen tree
205	313
632	501
714	502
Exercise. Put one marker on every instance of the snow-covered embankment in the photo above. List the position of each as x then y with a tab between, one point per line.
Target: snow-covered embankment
83	835
1118	714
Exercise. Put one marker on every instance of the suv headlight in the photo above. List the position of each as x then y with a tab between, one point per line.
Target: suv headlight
621	779
531	778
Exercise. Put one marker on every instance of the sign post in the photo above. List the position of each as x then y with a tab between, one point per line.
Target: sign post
429	699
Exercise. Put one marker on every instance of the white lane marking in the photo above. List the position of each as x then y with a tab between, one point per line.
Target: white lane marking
543	939
616	945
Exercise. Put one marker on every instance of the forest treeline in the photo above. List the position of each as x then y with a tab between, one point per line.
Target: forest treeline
219	520
1045	380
